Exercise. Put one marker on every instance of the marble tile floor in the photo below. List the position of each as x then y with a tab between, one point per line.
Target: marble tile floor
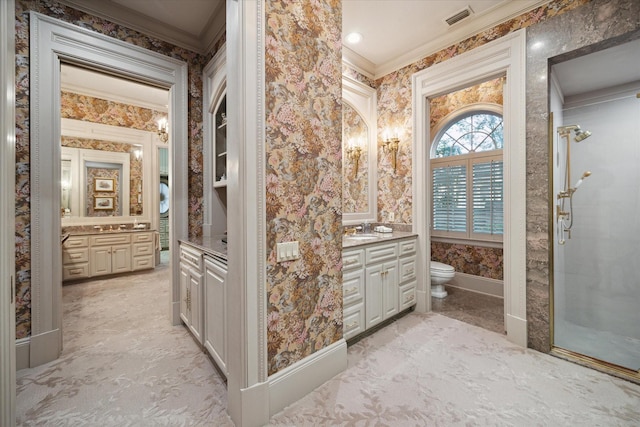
477	309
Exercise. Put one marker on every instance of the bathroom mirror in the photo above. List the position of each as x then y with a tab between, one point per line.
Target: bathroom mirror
359	153
105	174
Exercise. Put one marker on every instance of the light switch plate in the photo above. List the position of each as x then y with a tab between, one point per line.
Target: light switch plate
287	251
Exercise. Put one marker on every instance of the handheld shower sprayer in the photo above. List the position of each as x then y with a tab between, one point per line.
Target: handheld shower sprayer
579	183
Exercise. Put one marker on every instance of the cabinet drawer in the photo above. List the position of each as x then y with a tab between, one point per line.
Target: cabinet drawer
407	269
407	295
353	321
110	239
381	252
352	287
142	237
142	262
407	247
73	256
76	271
191	256
139	249
352	259
76	242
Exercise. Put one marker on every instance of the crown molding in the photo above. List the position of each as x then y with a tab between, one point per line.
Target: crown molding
481	22
358	63
152	27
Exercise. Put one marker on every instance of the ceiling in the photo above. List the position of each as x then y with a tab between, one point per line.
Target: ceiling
386	46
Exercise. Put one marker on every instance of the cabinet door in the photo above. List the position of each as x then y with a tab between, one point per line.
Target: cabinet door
390	289
120	258
195	289
215	316
373	295
185	313
100	260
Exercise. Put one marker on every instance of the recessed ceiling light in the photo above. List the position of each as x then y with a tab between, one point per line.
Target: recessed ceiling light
353	38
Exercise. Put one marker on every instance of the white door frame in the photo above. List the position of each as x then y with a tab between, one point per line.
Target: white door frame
506	55
51	42
7	216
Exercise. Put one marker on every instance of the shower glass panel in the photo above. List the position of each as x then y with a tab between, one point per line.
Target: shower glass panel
597	226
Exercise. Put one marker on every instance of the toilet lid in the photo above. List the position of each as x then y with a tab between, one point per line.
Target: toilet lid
438	266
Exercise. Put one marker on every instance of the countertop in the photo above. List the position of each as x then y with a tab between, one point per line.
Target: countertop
114	231
213	245
382	237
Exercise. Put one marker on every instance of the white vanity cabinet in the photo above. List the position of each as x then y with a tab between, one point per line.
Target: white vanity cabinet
379	281
92	255
215	310
191	270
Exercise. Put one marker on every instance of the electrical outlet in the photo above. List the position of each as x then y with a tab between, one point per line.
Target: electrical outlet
391	216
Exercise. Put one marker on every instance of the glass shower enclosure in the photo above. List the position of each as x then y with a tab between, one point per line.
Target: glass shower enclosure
596	206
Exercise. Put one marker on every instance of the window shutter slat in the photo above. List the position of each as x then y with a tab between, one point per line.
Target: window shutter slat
488	197
450	198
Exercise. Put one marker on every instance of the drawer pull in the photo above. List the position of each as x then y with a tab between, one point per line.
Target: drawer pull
409	298
76	256
410	271
351	325
351	261
351	291
75	271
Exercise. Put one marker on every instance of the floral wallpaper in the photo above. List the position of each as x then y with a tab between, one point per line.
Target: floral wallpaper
355	183
476	260
303	177
441	107
195	63
394	108
135	165
96	110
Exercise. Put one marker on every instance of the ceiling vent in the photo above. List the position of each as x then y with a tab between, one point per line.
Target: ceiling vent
457	17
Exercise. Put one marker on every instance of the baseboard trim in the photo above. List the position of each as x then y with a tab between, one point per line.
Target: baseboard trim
516	330
23	349
423	300
294	382
481	285
45	347
175	313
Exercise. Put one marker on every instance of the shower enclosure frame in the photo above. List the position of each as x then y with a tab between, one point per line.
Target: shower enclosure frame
563	353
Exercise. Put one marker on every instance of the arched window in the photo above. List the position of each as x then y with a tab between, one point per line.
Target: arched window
467	177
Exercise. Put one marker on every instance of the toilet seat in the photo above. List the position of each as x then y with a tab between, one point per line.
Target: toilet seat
438	267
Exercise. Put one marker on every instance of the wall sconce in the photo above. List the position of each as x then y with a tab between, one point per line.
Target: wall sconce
391	145
163	129
354	151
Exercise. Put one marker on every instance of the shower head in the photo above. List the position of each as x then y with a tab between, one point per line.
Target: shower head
581	135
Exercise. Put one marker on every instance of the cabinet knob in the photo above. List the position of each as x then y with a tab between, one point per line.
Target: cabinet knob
351	291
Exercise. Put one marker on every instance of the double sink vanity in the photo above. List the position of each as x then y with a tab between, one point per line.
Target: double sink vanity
379	282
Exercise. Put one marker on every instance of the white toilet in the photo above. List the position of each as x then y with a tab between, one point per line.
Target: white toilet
440	275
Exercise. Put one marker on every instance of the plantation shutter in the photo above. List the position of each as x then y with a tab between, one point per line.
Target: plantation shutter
449	198
488	197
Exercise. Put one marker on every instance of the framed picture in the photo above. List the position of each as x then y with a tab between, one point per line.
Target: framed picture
104	184
104	203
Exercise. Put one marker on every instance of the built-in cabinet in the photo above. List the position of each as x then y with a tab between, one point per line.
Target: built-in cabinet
220	143
379	281
215	310
91	255
191	271
203	296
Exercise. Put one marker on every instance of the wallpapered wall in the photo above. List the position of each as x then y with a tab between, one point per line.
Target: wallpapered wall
195	63
135	166
303	177
477	260
355	187
394	107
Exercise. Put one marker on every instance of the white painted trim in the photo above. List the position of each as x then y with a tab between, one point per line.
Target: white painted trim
45	347
53	41
246	210
7	216
478	284
301	378
358	63
506	55
503	12
364	100
23	350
